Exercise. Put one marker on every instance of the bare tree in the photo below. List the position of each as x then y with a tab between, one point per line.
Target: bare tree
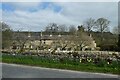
102	25
89	24
62	28
77	41
52	27
72	29
82	40
21	40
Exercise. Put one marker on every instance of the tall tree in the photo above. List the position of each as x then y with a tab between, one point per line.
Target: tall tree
52	27
89	24
72	29
102	25
6	35
62	28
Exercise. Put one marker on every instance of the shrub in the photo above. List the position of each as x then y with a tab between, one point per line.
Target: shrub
109	47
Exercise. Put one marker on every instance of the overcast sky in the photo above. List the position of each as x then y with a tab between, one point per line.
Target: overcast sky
34	16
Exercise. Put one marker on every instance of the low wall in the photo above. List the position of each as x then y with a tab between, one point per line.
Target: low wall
64	52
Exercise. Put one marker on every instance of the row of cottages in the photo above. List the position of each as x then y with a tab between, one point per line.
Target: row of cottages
36	40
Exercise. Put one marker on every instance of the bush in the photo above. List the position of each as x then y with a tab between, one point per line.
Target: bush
109	47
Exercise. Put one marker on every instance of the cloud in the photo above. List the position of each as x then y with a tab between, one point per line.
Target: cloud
83	10
34	21
21	5
60	0
25	4
0	14
62	13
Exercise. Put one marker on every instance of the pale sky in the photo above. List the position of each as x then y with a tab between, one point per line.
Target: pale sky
34	16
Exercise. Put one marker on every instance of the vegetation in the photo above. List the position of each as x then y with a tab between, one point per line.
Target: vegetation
109	39
89	24
64	63
6	35
104	39
75	39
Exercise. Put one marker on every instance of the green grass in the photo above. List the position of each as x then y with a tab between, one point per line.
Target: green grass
65	64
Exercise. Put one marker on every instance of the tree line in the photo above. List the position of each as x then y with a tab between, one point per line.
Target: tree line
98	28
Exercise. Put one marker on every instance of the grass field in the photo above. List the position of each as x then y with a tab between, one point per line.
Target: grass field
102	67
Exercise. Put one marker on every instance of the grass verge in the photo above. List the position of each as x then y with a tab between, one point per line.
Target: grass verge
65	64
